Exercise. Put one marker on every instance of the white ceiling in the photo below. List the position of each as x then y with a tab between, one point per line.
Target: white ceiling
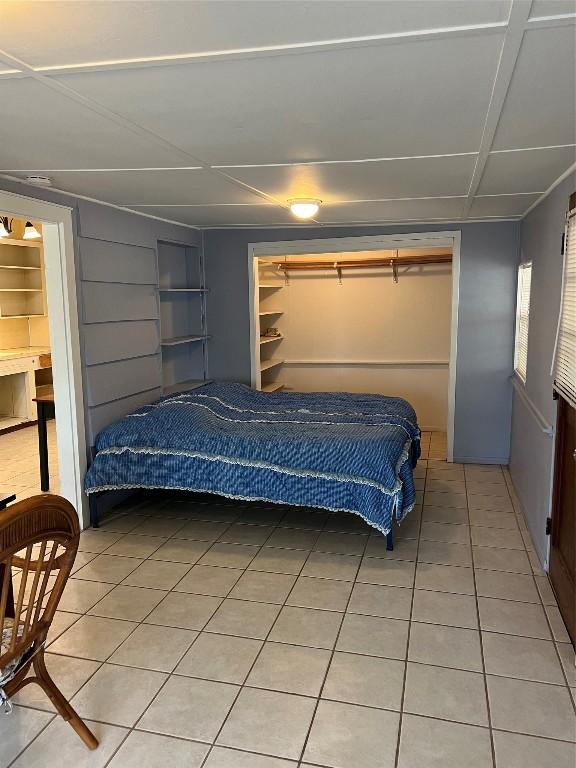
216	113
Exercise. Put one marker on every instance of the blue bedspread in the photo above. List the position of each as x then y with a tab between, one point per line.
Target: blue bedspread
338	451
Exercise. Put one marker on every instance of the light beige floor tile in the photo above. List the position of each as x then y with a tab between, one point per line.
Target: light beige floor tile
136	546
441	553
121	523
545	590
68	673
449	515
239	533
82	559
279	560
293	538
290	668
243	618
409	528
110	569
189	708
330	566
312	519
486	501
348	736
566	653
366	680
491	518
428	743
448	694
450	483
154	647
509	560
404	549
376	600
157	574
508	586
92	637
151	750
513	618
325	594
222	658
453	534
373	636
209	580
523	657
496	537
261	515
60	623
341	543
229	555
159	526
392	573
557	625
223	757
303	626
445	578
445	499
59	745
184	611
96	541
79	596
283	722
516	751
445	646
18	730
546	709
181	551
444	608
117	695
202	530
263	587
130	603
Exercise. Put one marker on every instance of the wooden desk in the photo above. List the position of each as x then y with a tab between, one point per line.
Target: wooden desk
45	405
5	499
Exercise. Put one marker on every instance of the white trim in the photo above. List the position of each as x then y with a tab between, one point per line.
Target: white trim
60	268
450	239
395	363
535	412
550	189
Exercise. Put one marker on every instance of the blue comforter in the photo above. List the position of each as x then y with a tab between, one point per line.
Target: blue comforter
338	451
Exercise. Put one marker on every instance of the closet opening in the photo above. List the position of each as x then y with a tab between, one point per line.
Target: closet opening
375	316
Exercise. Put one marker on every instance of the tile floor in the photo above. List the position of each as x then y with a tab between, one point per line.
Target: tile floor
19	462
227	635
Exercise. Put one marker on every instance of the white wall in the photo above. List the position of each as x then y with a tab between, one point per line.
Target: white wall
383	330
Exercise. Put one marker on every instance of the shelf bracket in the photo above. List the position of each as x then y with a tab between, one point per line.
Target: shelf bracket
338	269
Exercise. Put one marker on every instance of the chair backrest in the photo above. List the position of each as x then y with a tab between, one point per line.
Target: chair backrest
38	543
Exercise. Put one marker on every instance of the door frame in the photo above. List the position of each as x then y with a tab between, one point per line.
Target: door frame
449	239
63	321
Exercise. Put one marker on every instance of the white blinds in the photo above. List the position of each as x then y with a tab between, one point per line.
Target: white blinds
522	319
565	359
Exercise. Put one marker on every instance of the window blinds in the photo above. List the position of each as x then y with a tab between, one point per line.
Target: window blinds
522	319
565	355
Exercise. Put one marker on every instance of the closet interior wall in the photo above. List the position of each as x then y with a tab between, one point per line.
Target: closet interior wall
362	332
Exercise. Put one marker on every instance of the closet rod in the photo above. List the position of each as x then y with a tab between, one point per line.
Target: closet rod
399	261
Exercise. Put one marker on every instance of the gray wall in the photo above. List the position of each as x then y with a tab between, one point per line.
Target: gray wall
118	307
489	258
532	451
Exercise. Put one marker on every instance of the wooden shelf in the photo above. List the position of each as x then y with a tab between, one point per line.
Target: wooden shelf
182	290
185	386
272	363
181	340
20	317
272	387
271	312
273	286
36	243
268	339
15	266
21	290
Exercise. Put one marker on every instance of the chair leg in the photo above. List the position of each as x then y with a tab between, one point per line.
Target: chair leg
65	709
389	541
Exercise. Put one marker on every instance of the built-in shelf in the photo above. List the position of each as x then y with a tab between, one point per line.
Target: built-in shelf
272	363
268	339
15	266
185	386
20	317
272	387
182	290
23	243
181	340
271	312
21	290
274	286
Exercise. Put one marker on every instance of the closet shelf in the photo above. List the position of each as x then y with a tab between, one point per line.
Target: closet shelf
16	266
271	312
22	243
185	386
182	290
20	317
21	290
182	340
268	339
272	363
273	286
273	387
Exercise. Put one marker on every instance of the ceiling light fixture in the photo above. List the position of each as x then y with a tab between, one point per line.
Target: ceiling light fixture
304	208
39	181
5	226
30	232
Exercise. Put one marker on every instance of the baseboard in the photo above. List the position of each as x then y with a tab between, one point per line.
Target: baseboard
505	460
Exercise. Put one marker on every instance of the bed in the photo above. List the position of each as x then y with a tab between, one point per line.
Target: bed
338	451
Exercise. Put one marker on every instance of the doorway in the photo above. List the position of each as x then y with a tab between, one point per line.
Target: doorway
307	340
61	336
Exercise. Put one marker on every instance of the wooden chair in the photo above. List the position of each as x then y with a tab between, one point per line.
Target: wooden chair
38	543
